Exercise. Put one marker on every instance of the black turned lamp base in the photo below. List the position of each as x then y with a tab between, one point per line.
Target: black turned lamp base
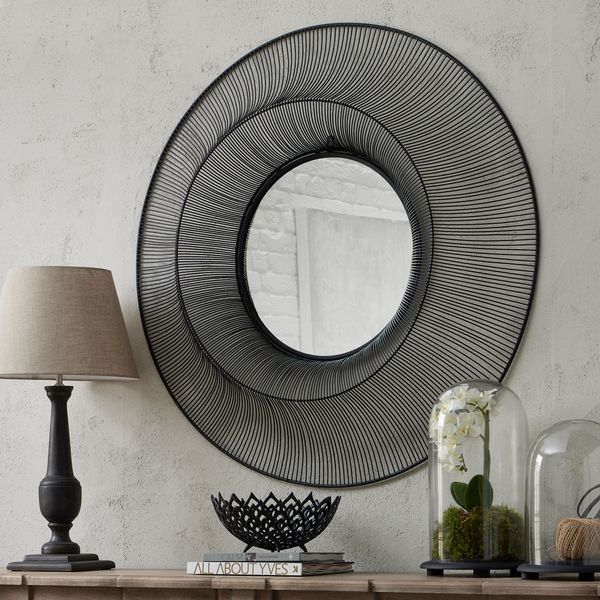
480	568
586	571
60	499
61	562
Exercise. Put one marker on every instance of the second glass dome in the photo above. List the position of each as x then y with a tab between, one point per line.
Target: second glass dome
563	500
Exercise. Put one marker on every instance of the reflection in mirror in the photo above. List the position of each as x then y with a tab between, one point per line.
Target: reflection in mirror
328	256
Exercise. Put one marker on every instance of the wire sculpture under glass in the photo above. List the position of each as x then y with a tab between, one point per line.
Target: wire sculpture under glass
589	505
275	524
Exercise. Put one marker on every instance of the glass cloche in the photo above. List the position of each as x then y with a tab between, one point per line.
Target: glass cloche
477	455
563	501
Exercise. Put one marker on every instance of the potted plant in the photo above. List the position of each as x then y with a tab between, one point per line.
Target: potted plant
478	445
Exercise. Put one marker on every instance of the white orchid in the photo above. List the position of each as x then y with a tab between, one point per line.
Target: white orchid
470	424
462	412
463	395
450	424
487	401
452	458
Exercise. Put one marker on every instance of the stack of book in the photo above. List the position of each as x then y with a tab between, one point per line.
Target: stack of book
271	564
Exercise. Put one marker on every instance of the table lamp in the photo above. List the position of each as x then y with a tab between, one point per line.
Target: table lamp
62	323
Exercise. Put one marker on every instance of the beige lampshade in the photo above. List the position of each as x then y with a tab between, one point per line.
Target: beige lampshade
63	321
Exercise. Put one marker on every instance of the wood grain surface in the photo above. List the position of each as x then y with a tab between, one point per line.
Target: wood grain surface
176	585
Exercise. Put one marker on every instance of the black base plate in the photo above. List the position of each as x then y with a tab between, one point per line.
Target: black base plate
586	571
480	568
61	562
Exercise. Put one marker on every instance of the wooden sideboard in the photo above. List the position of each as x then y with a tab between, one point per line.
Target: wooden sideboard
176	585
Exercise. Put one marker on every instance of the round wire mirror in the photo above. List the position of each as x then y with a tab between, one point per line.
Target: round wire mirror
414	114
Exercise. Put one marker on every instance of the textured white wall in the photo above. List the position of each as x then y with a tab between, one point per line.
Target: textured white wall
89	93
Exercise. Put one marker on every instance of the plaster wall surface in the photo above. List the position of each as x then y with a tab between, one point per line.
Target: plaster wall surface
89	94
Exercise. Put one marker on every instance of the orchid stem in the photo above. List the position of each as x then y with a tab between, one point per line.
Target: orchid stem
486	447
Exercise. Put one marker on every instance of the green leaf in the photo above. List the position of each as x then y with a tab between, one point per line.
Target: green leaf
487	492
458	489
479	492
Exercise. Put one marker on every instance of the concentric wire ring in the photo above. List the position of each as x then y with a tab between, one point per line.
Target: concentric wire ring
405	106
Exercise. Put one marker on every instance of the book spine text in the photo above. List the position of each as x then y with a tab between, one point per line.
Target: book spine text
245	568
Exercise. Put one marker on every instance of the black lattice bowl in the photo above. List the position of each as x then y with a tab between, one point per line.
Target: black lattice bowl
275	524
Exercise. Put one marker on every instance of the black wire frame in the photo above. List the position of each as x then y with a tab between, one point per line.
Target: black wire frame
461	171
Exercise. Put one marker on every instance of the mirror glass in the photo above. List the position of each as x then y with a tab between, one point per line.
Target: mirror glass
328	256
